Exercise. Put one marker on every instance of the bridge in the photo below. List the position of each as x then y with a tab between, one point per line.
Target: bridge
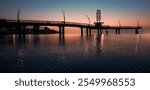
22	24
61	24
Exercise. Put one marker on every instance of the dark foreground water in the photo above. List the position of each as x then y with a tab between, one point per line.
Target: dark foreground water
47	53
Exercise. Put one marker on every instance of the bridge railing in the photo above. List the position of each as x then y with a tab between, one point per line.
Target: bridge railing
126	27
42	21
66	23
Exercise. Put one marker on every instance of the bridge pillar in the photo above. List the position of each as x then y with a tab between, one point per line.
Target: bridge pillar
81	31
106	32
24	31
87	31
118	31
136	31
101	31
90	31
98	31
61	32
19	29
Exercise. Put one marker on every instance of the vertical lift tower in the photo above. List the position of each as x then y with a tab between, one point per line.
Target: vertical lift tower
98	22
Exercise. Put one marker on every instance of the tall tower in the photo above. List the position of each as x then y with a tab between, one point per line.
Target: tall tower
98	22
98	15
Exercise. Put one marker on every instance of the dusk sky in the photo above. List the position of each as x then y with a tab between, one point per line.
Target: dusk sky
127	11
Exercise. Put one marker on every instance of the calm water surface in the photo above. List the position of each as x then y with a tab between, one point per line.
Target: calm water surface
47	53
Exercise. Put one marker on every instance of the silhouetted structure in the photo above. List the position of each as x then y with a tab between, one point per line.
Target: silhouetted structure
98	15
98	22
12	25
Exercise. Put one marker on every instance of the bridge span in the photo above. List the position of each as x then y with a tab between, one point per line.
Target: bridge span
21	25
61	24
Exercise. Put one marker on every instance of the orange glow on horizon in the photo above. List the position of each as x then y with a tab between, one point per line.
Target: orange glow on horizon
108	18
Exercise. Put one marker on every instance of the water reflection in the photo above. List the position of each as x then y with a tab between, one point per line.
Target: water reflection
62	41
36	39
87	46
99	40
20	61
137	43
18	44
30	38
75	53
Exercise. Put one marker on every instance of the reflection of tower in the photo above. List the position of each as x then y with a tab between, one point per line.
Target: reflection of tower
99	43
98	19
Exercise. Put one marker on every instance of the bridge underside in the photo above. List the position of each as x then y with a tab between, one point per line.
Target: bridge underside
21	27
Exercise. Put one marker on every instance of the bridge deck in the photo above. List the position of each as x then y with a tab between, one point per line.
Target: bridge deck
61	23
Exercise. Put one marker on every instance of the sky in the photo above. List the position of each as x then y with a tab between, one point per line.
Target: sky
128	12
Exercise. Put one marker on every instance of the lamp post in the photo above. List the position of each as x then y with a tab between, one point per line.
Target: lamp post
89	25
88	19
63	13
18	14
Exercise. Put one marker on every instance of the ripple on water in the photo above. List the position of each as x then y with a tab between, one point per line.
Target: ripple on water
46	53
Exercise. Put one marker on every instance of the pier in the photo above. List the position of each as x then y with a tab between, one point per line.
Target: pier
88	27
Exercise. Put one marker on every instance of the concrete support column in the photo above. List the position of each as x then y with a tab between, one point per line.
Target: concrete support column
101	31
90	31
136	31
81	31
63	30
24	31
19	29
87	32
98	32
118	31
59	29
60	32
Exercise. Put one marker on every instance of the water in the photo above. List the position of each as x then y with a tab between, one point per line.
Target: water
127	53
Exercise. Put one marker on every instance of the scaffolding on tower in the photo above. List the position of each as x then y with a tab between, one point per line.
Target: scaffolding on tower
98	22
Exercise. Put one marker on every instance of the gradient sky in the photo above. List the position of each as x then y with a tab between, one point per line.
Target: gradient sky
127	11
